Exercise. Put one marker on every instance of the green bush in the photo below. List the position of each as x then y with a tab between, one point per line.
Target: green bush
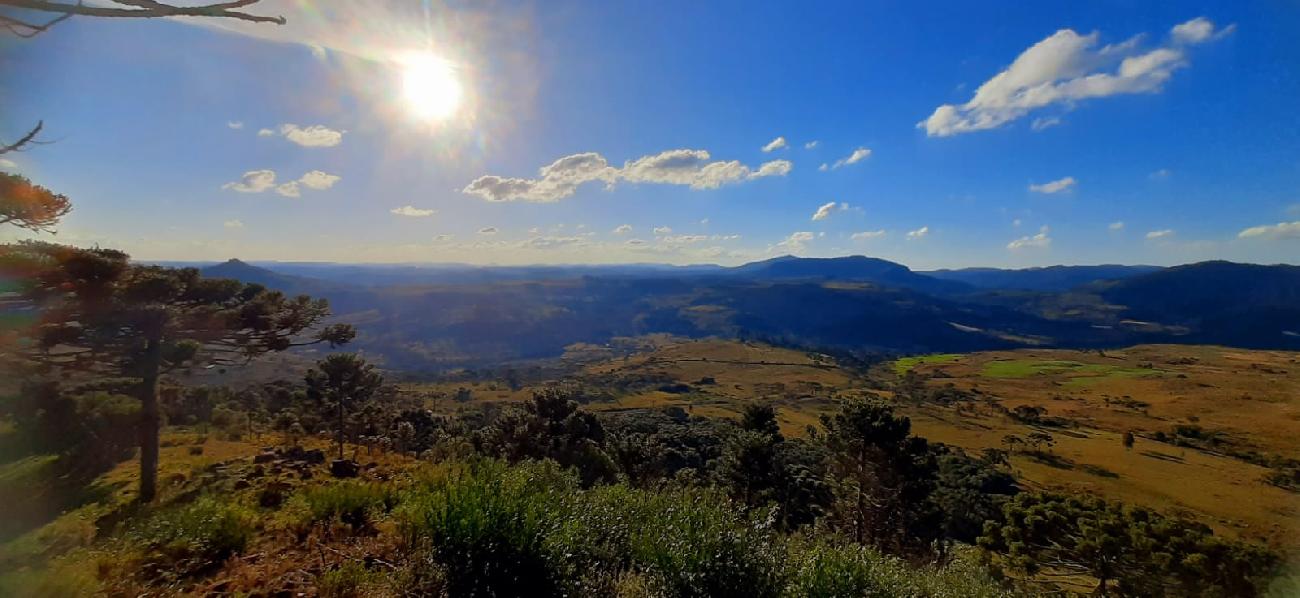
352	503
195	536
820	569
488	527
531	529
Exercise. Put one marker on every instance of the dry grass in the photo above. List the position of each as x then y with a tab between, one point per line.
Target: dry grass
1251	398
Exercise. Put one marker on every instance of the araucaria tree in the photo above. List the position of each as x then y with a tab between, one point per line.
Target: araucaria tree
340	381
97	314
881	477
30	206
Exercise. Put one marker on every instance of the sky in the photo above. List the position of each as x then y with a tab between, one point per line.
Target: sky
938	135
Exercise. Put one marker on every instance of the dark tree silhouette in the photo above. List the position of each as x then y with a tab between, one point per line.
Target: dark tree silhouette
30	206
341	381
1130	551
100	315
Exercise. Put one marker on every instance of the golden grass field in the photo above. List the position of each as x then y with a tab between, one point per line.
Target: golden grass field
1251	399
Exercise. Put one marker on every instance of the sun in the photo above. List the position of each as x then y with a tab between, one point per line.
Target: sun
430	87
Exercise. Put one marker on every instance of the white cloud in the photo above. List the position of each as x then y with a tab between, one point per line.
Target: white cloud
683	239
253	181
1056	186
1045	123
867	234
774	145
1016	223
265	133
488	230
773	168
635	242
1066	68
1198	30
824	167
824	211
1281	230
811	144
623	229
562	178
858	155
289	189
412	211
663	230
552	242
1163	173
919	233
234	124
704	222
312	136
1160	234
556	181
535	231
258	181
1116	226
796	241
1038	241
233	224
7	163
318	180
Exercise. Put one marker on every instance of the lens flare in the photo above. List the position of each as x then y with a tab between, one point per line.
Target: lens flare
430	87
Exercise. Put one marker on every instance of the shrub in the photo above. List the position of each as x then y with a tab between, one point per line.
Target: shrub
194	537
488	528
821	569
352	503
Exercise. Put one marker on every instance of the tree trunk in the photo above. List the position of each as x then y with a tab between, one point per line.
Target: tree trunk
149	421
339	435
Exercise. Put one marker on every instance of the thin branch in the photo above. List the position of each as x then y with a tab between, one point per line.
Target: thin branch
147	9
30	137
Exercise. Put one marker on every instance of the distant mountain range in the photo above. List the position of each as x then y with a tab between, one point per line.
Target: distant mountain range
1051	278
441	316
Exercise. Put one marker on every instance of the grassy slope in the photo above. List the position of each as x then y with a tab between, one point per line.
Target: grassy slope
1251	397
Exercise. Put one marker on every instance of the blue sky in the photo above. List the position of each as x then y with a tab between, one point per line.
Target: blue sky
1120	132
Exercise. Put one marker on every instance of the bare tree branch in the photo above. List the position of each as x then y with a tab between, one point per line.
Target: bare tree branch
142	9
29	138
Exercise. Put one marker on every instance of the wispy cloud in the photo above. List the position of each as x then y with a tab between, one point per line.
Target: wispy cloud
918	234
1162	173
312	136
1057	186
1281	230
1066	68
253	181
867	234
412	211
1046	122
824	211
7	163
623	229
774	145
234	124
811	144
1160	234
258	181
233	224
488	230
796	242
663	230
1116	226
856	156
560	179
1038	241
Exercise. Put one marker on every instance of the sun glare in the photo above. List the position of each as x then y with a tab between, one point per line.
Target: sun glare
430	87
